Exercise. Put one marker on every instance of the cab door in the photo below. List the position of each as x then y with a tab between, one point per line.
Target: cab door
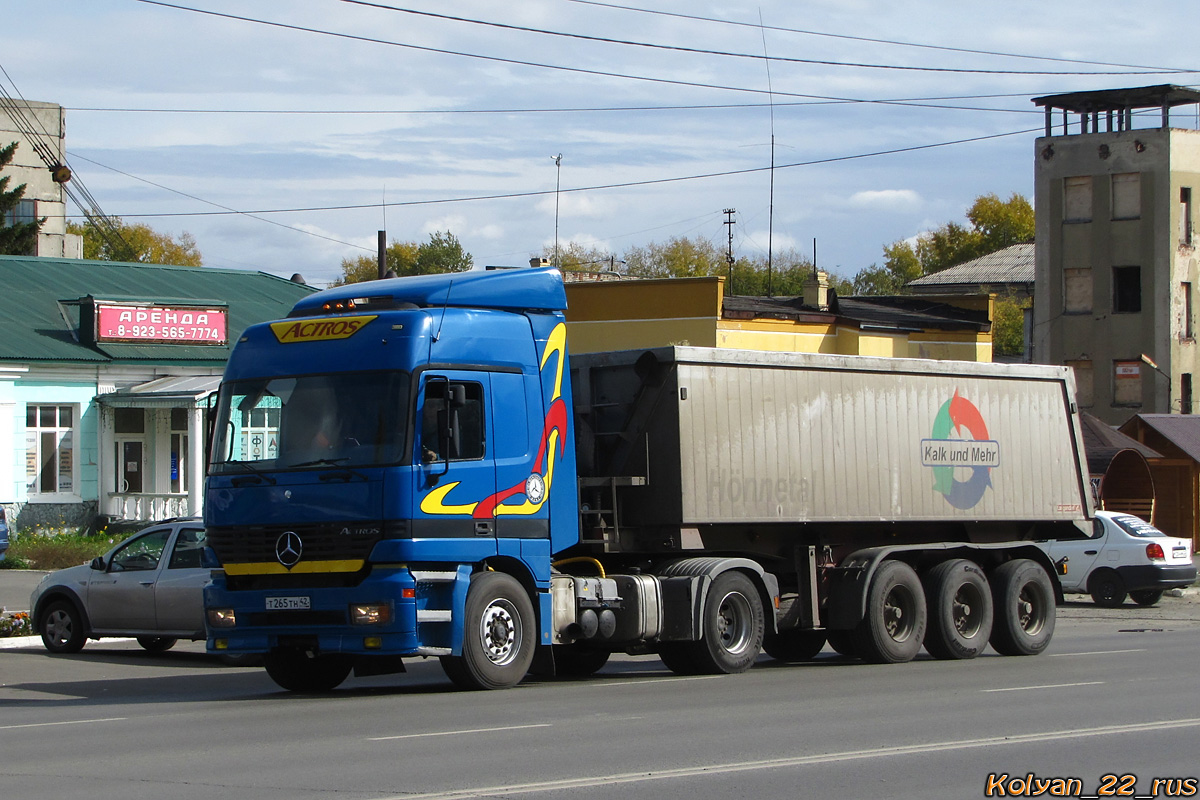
457	472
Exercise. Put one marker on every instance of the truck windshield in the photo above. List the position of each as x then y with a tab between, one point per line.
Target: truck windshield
311	421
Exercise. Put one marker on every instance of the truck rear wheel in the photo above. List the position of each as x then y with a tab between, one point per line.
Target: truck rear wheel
959	603
894	626
1024	607
298	671
733	631
499	635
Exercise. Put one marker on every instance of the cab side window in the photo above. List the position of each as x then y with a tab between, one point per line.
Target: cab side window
452	423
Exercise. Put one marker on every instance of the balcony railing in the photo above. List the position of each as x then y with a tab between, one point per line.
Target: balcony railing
146	506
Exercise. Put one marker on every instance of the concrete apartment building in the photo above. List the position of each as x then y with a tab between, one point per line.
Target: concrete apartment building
1116	275
39	127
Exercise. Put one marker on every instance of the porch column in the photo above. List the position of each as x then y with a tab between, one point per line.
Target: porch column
196	461
105	480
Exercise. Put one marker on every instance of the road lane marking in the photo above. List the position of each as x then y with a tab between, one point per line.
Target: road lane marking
1044	686
796	761
659	680
456	733
70	722
1099	652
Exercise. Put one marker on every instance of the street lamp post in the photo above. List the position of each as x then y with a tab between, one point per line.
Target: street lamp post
557	187
1150	363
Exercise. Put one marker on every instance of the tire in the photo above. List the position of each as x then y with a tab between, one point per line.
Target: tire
156	644
732	631
959	603
1107	588
61	627
1024	608
794	646
574	661
500	635
842	642
297	671
1146	597
894	626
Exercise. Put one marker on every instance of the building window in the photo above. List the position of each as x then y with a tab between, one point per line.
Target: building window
1185	393
1077	199
1126	195
1127	383
1185	217
180	448
1077	290
49	449
1127	290
1085	382
25	211
1188	329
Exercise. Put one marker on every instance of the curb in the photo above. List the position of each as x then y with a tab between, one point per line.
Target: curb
18	642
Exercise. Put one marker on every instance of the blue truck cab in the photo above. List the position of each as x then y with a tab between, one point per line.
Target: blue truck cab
386	455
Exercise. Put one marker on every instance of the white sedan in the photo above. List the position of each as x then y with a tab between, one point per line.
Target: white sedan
1126	556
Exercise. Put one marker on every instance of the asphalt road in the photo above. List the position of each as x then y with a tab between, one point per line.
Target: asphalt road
1116	694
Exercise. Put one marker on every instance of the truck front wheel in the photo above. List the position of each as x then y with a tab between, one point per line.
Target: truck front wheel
1023	599
499	636
894	626
960	610
298	671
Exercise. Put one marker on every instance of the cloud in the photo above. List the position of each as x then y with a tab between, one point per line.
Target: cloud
887	199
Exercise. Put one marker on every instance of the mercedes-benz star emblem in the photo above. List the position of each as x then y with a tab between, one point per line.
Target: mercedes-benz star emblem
288	548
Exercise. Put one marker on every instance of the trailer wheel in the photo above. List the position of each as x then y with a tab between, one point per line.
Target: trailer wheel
499	635
894	626
1024	607
1107	589
575	661
733	631
794	645
298	671
959	602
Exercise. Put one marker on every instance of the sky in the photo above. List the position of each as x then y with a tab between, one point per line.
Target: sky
284	135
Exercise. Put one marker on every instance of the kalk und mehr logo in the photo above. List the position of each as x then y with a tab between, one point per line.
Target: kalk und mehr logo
945	455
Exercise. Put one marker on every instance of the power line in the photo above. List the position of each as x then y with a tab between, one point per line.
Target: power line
869	40
599	187
501	60
728	54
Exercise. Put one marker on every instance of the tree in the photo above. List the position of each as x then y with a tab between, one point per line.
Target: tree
575	257
399	257
19	238
442	253
1008	326
995	224
139	243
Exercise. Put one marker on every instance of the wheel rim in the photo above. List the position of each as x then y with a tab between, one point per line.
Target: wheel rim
968	610
1031	609
500	632
899	614
58	627
735	623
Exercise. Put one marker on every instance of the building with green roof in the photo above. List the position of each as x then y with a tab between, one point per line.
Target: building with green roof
105	369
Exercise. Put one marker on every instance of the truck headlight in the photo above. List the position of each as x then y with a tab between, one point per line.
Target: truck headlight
222	618
370	614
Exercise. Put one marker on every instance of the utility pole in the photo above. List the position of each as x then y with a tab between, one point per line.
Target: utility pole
729	212
382	254
557	187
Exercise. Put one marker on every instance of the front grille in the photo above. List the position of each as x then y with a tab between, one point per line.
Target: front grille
327	541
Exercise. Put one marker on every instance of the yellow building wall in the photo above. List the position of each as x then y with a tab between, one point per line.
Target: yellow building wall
636	314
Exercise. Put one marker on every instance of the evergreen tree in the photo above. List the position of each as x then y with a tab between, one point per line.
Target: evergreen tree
18	239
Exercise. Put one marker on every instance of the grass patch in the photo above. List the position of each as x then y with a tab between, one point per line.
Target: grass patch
51	551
